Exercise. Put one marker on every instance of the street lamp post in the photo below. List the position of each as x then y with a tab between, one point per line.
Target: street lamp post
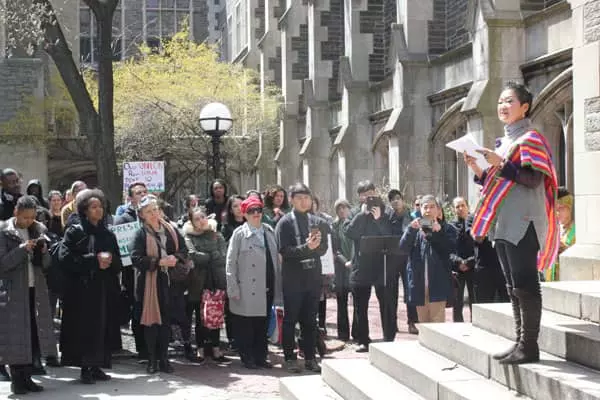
215	121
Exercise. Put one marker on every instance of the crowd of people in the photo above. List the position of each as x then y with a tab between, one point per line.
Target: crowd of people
231	259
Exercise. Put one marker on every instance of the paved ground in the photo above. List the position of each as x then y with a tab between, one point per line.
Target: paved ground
208	381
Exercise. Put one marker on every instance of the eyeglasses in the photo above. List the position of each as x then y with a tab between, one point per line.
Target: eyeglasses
254	210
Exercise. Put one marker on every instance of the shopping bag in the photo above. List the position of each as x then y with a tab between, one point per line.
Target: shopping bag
213	308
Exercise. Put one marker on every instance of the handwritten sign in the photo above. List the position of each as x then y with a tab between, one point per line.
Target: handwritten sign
152	173
125	234
327	261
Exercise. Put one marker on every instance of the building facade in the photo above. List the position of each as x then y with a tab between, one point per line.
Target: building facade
375	89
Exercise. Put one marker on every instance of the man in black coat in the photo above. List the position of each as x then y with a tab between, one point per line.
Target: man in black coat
400	219
463	261
368	268
10	193
299	239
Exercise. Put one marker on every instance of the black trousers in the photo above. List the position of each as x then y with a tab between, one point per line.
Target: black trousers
519	263
411	310
23	371
128	283
138	331
343	321
300	307
385	297
463	279
157	341
490	286
205	338
229	322
322	313
251	338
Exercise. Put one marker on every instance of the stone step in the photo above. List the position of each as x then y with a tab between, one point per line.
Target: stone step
565	337
551	378
357	379
577	299
433	376
309	387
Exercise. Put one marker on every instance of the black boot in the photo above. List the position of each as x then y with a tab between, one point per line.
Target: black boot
189	353
151	335
32	386
18	385
527	350
516	308
87	377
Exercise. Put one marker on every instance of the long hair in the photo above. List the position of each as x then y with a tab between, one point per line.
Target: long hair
270	194
229	217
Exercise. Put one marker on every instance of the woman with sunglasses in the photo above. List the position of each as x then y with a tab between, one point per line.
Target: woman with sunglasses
253	283
207	249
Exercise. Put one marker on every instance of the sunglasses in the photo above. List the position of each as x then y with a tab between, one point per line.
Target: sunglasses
417	205
254	210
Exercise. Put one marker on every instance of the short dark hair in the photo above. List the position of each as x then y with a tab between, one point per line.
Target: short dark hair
299	188
562	192
85	196
53	193
27	203
393	193
365	186
133	185
522	93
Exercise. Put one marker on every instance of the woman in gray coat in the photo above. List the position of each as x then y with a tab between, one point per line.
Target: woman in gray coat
253	283
26	323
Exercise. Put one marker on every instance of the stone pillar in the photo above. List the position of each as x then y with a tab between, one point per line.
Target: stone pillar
294	57
582	261
354	140
498	51
315	151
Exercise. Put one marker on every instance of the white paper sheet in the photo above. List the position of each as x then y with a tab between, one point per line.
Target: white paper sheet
468	144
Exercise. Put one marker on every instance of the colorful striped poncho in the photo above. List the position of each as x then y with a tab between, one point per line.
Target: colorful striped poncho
530	150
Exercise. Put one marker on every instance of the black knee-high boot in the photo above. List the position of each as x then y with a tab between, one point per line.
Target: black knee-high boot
516	308
151	338
527	350
163	350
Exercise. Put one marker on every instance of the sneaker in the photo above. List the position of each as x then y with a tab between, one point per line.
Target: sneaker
312	365
87	377
292	366
362	348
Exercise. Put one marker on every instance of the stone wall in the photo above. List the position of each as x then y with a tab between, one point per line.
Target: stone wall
333	48
19	80
377	20
537	5
259	15
456	23
436	28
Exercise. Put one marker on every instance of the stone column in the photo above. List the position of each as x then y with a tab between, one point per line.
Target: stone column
498	51
315	152
582	261
293	59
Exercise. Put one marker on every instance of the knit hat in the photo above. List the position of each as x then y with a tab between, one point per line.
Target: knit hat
249	203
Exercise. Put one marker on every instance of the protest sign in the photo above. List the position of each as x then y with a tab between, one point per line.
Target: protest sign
125	234
152	173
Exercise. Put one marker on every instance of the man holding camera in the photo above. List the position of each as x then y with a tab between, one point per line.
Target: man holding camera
26	326
299	240
368	268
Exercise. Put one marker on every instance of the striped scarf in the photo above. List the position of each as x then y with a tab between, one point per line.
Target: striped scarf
531	150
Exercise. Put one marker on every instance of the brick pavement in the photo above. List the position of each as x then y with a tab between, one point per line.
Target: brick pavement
208	381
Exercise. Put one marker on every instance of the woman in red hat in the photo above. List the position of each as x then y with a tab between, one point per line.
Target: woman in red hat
253	283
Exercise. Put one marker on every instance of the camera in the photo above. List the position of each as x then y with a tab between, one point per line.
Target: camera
426	225
374	201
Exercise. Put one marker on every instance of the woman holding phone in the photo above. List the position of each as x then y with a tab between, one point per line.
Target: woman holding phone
517	211
157	247
90	256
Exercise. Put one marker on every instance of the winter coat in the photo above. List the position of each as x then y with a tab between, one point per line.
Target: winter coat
90	323
228	228
40	197
144	263
208	251
7	205
465	246
367	268
343	251
436	247
15	323
129	215
247	272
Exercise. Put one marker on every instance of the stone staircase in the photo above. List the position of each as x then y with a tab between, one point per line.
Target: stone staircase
453	361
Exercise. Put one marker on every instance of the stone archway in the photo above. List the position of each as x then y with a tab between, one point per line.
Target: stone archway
552	112
450	177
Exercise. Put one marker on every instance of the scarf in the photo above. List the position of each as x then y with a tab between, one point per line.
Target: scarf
151	308
531	150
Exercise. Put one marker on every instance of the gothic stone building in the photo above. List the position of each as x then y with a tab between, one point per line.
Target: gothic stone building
374	89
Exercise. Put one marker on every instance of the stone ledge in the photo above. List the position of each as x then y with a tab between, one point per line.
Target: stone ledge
581	262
